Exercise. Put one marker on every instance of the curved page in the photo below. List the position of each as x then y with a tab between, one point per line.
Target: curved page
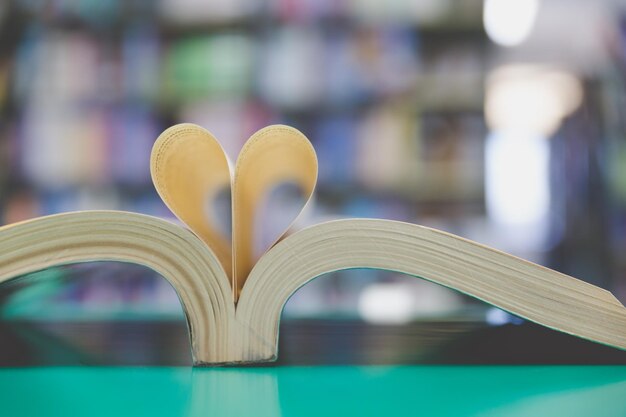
528	290
174	252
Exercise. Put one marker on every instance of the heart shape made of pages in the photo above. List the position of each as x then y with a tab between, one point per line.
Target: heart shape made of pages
189	167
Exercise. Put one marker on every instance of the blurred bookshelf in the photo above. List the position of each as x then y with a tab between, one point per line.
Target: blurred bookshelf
391	95
89	96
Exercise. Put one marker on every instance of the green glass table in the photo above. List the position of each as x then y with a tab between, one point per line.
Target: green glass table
315	391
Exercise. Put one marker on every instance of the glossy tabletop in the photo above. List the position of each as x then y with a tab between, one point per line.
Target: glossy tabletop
315	391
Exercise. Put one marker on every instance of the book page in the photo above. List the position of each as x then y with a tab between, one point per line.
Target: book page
189	169
272	156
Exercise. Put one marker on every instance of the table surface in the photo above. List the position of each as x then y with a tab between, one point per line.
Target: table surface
315	391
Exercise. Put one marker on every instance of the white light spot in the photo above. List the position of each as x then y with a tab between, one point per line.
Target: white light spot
517	178
386	304
509	22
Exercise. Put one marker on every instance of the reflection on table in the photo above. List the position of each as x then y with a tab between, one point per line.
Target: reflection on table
315	391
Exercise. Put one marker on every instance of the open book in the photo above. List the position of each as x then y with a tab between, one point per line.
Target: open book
233	301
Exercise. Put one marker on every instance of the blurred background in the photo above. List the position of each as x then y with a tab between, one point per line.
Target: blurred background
502	122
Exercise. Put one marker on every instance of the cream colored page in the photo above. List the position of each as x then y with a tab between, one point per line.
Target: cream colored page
528	290
273	155
189	168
